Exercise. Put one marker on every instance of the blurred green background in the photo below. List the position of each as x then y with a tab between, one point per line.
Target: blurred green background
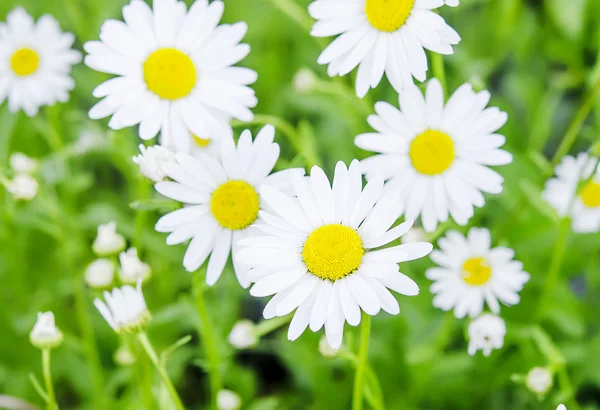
540	60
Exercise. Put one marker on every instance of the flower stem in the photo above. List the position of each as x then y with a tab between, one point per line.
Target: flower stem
140	216
51	405
298	15
143	338
208	340
439	71
267	326
361	364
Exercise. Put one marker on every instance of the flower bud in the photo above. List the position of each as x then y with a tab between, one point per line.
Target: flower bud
100	274
108	241
243	335
45	334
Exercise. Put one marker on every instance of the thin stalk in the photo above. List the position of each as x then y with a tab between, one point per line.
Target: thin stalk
439	71
208	341
142	374
143	338
267	326
298	15
361	364
140	216
51	404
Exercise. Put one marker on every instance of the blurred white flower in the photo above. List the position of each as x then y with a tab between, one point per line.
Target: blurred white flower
304	80
539	380
486	333
243	334
415	234
88	140
132	268
123	356
152	159
100	274
45	334
451	3
325	349
124	309
22	164
108	241
561	407
23	187
228	400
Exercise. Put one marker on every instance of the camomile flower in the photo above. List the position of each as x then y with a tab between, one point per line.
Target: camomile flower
45	334
581	203
381	36
35	62
472	273
319	252
151	160
437	154
486	333
124	309
220	197
174	71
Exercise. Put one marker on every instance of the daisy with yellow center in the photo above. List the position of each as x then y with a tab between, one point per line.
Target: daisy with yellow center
35	61
381	37
220	198
174	71
472	273
437	154
575	191
320	252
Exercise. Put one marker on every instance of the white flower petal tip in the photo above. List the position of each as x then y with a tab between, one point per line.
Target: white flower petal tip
562	193
45	334
318	255
124	309
486	333
446	182
108	242
152	161
191	104
37	60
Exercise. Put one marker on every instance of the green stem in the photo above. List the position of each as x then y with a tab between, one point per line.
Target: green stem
578	120
361	364
555	264
439	71
51	405
267	326
140	216
143	338
210	345
142	374
298	15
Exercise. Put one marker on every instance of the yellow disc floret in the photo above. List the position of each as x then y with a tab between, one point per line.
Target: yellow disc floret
432	152
201	142
235	205
590	194
333	251
388	15
476	271
169	73
24	61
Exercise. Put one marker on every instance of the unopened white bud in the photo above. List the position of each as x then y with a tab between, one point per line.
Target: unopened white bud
123	356
108	241
100	274
228	400
132	268
22	164
305	80
45	334
243	335
23	187
539	380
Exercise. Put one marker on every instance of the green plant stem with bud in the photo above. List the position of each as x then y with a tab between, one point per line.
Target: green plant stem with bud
143	338
51	404
208	340
361	363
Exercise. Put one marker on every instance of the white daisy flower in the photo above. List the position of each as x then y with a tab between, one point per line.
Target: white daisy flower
319	252
243	334
45	334
381	36
174	71
582	205
221	199
151	160
437	154
35	62
471	273
486	333
100	274
132	268
124	309
228	400
108	241
23	187
539	380
22	164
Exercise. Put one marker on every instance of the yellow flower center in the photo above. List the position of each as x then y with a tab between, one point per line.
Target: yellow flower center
590	195
432	152
333	251
388	15
24	61
476	271
235	205
169	73
201	142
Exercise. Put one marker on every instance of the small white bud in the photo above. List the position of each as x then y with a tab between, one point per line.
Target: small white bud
132	268
325	349
486	333
151	161
415	234
100	274
108	241
539	380
23	187
22	164
243	335
561	407
123	356
87	141
228	400
304	81
45	334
